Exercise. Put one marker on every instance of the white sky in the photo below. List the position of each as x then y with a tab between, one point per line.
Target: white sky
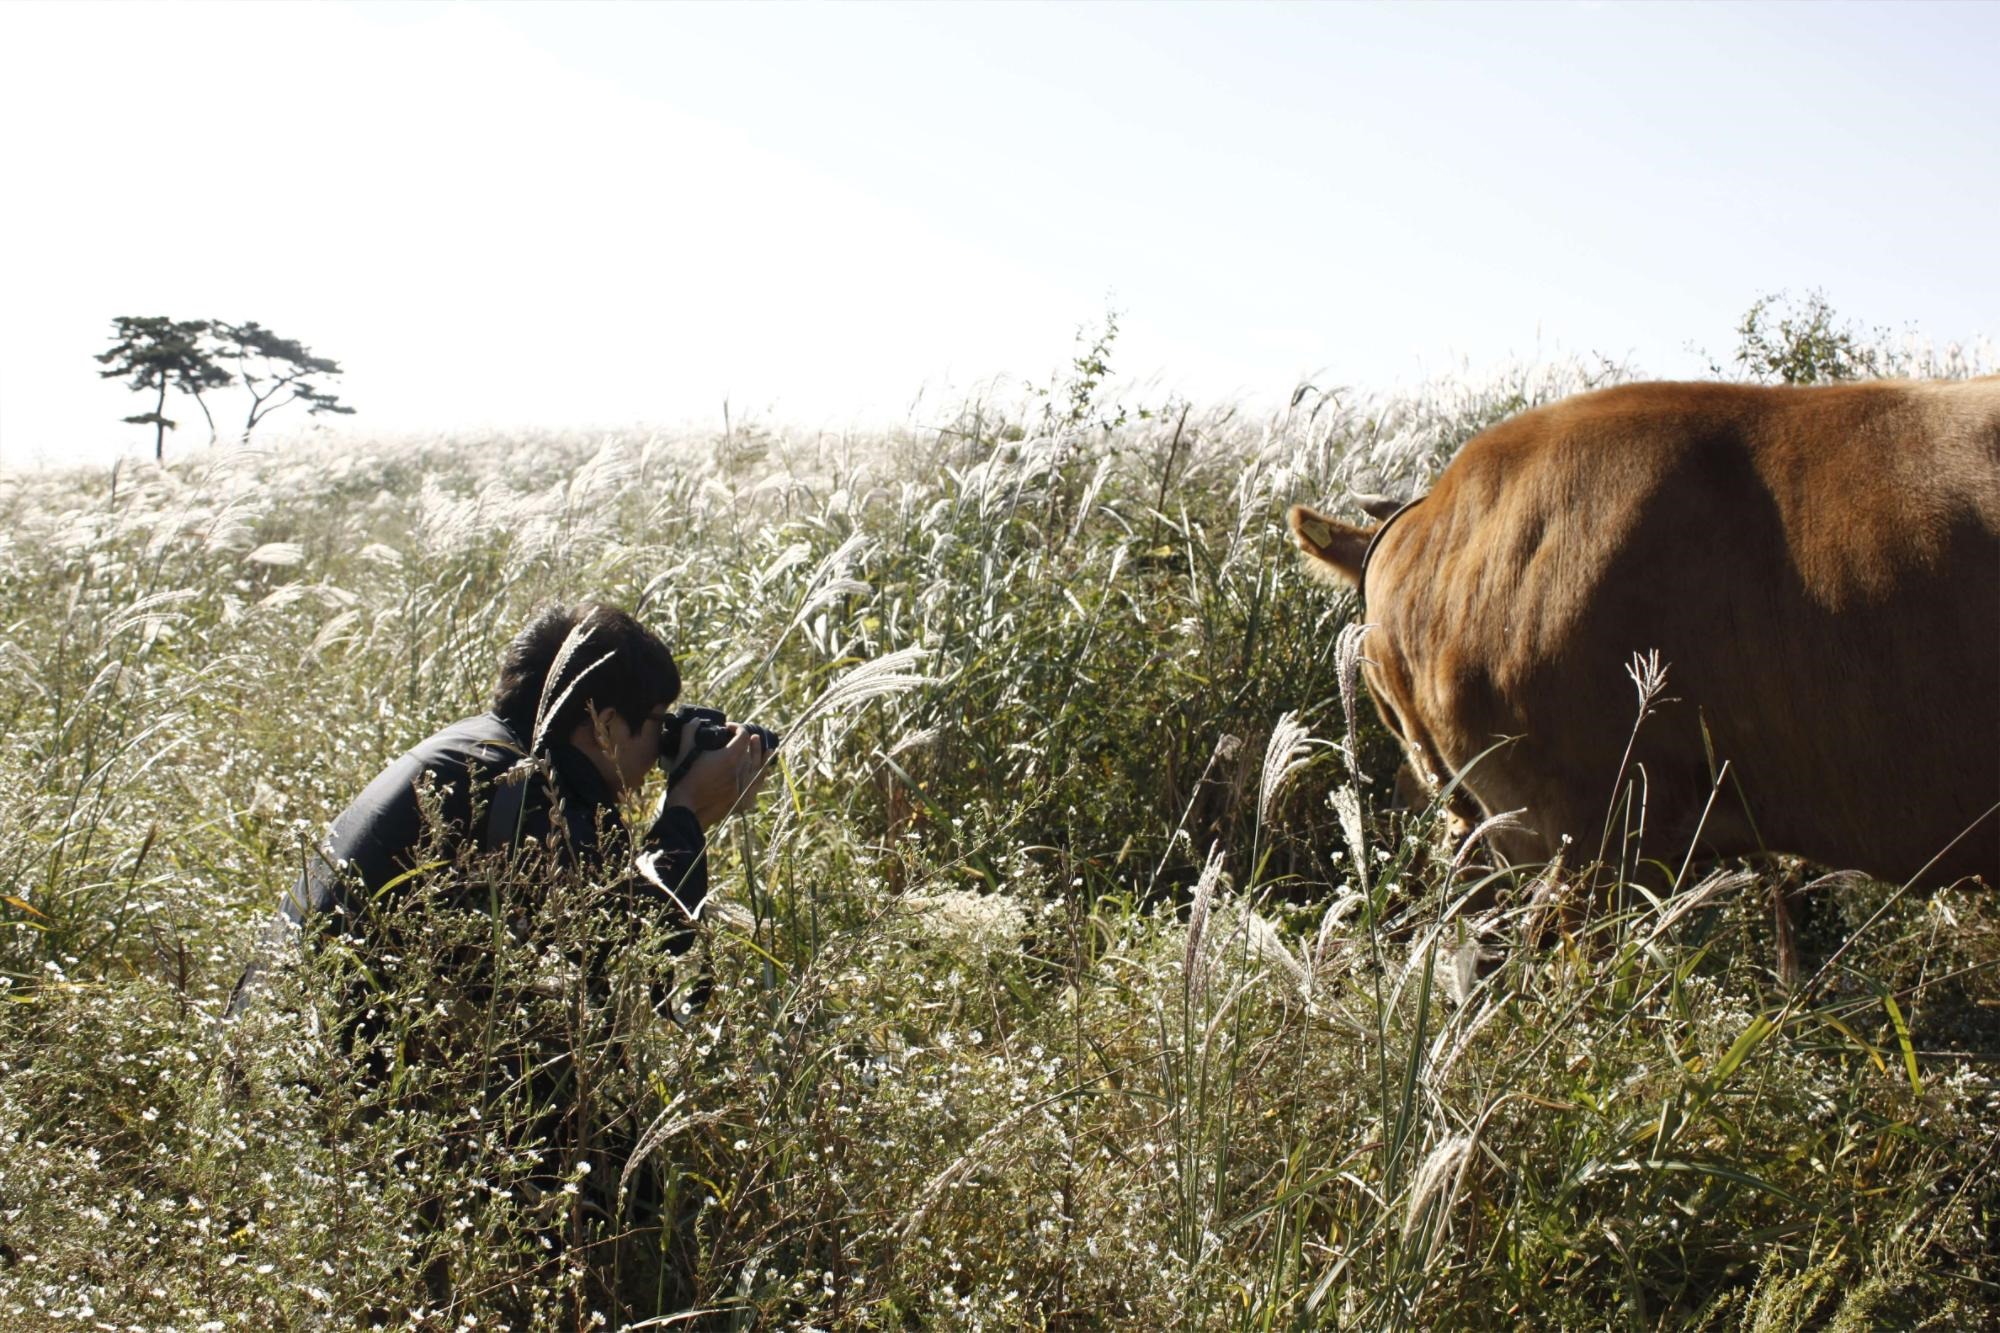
583	215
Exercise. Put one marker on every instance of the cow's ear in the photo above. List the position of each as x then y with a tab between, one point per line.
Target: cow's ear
1377	506
1333	549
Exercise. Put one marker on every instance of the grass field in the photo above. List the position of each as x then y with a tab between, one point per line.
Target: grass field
1076	974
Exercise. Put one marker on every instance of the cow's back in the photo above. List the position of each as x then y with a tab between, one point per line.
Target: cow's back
1819	568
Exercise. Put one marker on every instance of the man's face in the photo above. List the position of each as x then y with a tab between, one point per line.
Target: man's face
626	756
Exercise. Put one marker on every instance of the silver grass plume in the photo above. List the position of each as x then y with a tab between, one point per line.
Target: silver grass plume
1336	915
1346	803
546	710
892	673
608	471
277	553
1462	957
282	596
1506	819
719	679
916	740
1437	1180
1288	751
1717	883
232	526
148	612
832	590
832	569
1193	972
670	1122
1270	948
1347	666
837	562
1090	491
1445	1057
332	632
1649	677
648	866
795	554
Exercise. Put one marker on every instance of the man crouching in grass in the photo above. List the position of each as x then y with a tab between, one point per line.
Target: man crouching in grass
475	909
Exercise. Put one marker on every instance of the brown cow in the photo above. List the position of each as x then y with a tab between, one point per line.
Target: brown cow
1819	568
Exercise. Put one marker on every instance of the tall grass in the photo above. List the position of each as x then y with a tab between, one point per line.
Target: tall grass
1075	973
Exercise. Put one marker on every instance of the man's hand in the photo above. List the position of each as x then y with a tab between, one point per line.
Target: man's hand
723	781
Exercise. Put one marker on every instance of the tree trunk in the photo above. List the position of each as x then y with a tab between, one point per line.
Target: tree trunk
160	424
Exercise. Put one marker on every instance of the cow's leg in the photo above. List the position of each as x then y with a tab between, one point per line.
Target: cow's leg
1785	896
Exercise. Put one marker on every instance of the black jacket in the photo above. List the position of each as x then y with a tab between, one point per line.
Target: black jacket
565	806
480	790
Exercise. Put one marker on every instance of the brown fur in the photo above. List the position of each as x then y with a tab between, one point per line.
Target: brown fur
1818	567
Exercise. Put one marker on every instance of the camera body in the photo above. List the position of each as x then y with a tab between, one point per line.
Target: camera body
711	732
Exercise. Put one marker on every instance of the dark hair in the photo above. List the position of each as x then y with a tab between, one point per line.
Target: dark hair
637	677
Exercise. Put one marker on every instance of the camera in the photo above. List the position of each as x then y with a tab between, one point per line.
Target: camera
711	732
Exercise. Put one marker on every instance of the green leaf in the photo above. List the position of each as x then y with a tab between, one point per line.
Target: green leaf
1903	1040
1760	1028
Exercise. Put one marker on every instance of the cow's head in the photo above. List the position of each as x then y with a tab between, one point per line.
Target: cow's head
1333	549
1337	549
1338	553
